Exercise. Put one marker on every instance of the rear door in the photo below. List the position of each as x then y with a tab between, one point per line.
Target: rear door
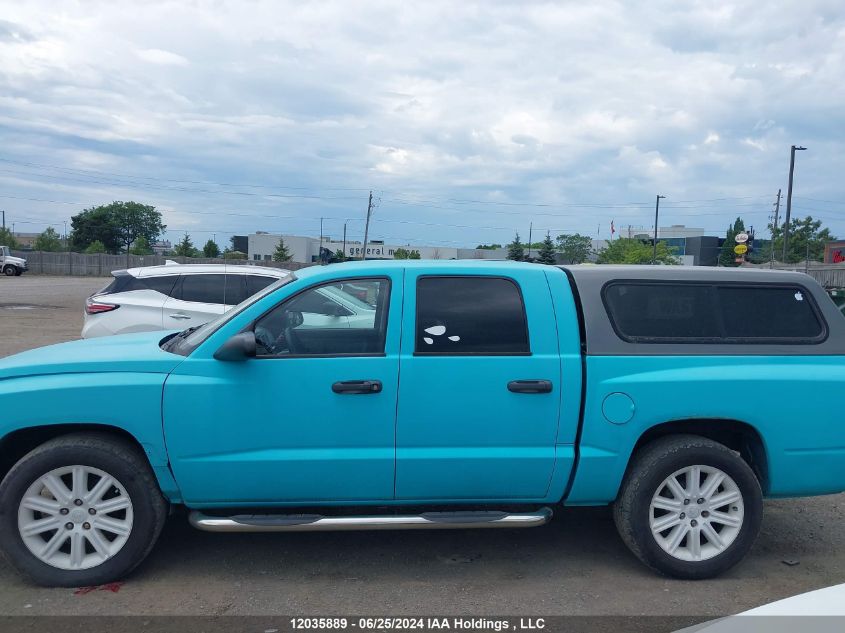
200	297
479	387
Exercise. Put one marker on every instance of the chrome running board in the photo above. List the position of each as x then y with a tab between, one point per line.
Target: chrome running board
318	523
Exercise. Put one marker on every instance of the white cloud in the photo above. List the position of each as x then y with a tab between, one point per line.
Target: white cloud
515	102
158	56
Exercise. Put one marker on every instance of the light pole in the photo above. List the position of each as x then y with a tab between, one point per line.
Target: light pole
656	216
789	198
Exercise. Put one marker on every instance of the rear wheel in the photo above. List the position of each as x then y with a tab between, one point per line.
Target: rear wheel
82	509
689	507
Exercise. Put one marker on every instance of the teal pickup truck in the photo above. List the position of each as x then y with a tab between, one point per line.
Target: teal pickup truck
475	395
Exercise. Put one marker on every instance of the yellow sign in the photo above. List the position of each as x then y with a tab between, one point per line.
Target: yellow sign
741	249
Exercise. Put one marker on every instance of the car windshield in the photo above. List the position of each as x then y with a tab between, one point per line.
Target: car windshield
188	340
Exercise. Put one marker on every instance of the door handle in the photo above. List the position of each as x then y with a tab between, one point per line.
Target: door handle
357	386
530	386
179	316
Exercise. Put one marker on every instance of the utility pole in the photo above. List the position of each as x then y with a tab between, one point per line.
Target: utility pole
774	229
321	243
344	238
656	216
4	219
789	199
367	227
530	230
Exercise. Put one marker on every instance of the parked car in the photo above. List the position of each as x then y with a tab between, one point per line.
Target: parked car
11	266
681	396
171	297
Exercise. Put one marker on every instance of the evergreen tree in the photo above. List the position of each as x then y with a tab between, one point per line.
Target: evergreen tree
185	247
515	250
211	249
281	254
547	251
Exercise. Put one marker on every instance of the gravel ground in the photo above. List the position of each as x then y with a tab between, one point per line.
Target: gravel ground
575	565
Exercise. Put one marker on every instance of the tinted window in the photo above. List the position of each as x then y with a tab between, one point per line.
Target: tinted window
316	322
254	283
775	312
164	285
669	312
663	311
212	289
470	315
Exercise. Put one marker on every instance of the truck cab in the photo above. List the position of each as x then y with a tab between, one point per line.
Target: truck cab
9	265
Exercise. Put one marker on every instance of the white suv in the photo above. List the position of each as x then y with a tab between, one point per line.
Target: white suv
171	297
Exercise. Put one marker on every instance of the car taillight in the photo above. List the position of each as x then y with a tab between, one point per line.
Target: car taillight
92	306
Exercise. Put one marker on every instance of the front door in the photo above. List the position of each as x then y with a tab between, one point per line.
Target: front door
480	388
311	419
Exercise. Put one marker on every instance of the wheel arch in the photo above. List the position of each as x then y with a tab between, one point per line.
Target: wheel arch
17	443
737	435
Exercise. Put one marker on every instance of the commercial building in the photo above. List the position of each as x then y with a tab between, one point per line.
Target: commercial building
261	246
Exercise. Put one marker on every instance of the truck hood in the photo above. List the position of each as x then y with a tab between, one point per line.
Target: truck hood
122	353
14	260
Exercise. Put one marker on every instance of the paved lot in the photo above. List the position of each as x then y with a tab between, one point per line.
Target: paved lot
576	565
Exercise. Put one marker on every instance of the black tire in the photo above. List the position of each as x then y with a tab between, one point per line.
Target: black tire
116	457
649	468
9	270
18	272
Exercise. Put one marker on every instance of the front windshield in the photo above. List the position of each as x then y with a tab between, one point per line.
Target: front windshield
188	340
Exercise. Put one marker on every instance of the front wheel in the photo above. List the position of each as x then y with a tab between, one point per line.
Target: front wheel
689	507
9	270
80	510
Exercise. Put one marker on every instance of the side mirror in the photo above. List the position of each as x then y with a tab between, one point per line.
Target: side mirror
238	348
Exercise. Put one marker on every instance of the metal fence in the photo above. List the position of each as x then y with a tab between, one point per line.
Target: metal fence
828	275
102	264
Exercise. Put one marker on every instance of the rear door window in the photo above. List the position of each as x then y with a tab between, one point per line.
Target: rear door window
204	288
164	284
255	283
470	316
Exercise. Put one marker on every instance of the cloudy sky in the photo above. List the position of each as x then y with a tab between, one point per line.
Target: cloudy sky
468	120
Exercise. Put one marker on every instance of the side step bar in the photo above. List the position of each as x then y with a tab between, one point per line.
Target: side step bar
318	523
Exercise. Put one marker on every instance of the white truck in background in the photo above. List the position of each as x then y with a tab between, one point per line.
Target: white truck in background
11	266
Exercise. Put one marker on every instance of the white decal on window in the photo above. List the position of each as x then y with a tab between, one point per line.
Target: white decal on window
799	296
429	341
436	330
454	338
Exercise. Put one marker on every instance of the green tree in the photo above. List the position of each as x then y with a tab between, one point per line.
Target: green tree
804	235
414	255
233	255
488	247
117	225
48	241
95	247
95	225
7	238
515	250
547	251
628	250
141	247
134	220
339	256
211	249
401	253
185	247
574	247
727	256
281	254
